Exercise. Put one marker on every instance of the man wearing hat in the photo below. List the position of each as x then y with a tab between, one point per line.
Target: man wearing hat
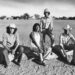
47	26
11	44
67	42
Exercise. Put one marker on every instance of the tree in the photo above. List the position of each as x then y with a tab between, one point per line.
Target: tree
37	16
2	17
26	16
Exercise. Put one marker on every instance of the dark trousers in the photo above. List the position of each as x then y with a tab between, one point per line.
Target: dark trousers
57	49
17	55
49	33
6	59
71	47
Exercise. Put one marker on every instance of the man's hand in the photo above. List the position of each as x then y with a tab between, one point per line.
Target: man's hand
40	49
13	52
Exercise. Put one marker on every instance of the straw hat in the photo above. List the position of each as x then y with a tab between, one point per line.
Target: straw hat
12	25
67	27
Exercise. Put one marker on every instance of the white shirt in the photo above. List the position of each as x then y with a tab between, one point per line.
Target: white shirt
64	40
37	39
46	23
9	40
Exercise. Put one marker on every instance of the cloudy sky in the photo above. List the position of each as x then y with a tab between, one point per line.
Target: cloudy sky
56	7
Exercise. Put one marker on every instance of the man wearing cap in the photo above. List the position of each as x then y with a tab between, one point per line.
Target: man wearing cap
11	44
47	26
67	42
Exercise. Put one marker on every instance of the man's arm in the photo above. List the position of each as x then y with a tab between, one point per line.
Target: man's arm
61	41
62	47
51	24
72	37
4	42
17	43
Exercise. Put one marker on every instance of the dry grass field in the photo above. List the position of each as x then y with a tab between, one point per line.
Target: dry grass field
29	67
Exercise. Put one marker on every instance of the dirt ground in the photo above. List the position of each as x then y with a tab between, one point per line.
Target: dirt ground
28	65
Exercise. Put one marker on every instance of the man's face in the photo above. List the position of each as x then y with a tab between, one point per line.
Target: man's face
47	14
11	30
66	31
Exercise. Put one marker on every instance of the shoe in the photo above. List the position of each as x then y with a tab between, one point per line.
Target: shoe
16	62
42	63
5	66
72	62
66	60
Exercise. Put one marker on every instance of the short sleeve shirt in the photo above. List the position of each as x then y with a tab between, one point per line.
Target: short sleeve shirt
65	39
9	40
46	22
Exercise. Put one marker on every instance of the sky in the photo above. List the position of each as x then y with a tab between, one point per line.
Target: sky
19	7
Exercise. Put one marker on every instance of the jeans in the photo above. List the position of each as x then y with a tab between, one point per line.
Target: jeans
49	33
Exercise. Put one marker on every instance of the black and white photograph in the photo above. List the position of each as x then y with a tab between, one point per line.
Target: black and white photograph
37	37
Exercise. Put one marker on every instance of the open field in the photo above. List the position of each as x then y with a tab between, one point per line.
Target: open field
28	67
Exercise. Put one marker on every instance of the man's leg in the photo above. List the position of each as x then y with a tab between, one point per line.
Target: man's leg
41	57
44	34
43	47
57	49
18	54
5	53
52	40
51	36
69	48
72	47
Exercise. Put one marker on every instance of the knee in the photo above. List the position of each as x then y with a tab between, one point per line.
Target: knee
57	48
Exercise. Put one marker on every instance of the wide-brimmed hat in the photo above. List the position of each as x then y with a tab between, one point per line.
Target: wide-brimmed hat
12	25
67	27
46	11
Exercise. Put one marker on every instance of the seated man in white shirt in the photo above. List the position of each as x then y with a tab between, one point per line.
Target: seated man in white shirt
67	42
37	42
